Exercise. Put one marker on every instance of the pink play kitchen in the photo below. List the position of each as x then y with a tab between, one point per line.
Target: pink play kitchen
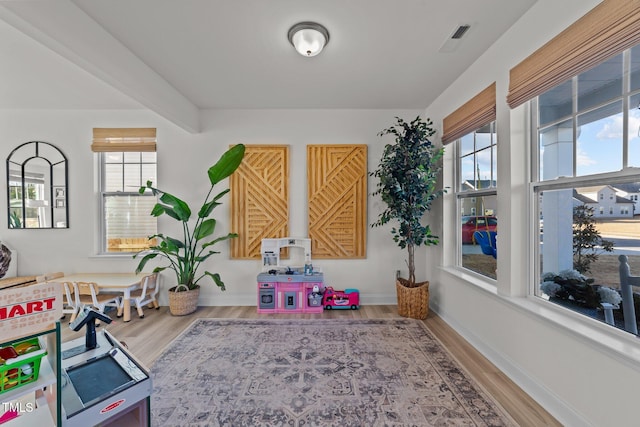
289	288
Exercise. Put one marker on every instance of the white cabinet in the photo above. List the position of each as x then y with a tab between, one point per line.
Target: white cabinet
36	403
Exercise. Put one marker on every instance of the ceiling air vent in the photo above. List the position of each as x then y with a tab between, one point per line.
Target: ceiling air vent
453	41
460	31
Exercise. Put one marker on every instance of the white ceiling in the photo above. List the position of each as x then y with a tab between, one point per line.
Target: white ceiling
177	57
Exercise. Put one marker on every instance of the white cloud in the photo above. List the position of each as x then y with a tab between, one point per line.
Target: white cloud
582	158
634	125
612	129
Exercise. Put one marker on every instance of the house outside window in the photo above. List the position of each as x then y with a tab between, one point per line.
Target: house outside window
126	221
476	197
588	143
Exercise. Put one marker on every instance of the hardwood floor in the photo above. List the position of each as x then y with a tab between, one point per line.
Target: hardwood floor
147	338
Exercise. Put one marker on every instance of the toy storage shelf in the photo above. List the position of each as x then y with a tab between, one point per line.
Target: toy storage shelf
43	392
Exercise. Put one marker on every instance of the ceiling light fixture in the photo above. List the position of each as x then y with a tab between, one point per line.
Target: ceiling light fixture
309	38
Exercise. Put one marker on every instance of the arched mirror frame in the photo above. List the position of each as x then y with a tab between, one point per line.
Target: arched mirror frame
53	203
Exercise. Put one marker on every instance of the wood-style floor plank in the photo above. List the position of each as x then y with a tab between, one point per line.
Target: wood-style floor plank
147	338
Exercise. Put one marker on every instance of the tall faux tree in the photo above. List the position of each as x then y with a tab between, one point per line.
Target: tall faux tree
408	174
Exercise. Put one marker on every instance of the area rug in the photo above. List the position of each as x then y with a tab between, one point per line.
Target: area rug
325	372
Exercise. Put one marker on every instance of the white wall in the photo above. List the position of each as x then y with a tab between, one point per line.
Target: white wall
183	160
582	372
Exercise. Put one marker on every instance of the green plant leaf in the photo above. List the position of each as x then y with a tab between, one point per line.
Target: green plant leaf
157	210
207	208
220	194
227	164
220	239
175	242
205	256
206	228
144	260
179	207
217	280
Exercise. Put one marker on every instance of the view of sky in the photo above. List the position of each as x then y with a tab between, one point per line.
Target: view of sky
600	144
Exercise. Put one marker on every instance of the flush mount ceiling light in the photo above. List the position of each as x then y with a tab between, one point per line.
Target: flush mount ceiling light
309	38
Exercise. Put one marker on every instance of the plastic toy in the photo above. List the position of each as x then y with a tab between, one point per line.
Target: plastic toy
347	299
315	297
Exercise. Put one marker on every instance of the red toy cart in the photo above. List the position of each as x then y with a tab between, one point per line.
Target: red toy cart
347	299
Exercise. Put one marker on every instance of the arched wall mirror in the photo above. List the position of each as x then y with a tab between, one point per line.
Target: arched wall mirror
37	186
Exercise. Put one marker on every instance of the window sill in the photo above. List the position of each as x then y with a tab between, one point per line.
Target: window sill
614	342
483	282
115	255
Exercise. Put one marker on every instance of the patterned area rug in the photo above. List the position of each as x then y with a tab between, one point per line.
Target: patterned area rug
326	372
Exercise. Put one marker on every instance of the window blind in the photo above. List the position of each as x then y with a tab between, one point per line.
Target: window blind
123	139
475	113
608	29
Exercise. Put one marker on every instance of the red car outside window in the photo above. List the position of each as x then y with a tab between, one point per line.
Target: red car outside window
471	224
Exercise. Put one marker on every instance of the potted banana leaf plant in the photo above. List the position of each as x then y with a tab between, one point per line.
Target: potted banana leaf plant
185	254
408	174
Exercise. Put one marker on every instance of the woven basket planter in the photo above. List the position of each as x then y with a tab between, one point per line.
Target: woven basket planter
183	302
412	302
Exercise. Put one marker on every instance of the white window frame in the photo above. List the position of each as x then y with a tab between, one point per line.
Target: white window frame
625	175
459	195
102	195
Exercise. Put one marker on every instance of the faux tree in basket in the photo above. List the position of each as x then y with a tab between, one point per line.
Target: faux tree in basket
186	253
408	174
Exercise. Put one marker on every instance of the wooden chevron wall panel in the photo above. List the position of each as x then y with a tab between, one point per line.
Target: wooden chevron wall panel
337	191
259	199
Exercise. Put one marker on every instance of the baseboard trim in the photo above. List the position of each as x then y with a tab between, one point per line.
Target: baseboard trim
556	406
225	299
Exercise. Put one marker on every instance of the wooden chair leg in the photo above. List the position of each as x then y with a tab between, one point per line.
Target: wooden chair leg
139	307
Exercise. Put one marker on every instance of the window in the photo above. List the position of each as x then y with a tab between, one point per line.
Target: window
588	141
476	197
471	129
125	166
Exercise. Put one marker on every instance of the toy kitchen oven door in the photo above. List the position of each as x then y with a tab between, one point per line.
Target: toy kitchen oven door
266	296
